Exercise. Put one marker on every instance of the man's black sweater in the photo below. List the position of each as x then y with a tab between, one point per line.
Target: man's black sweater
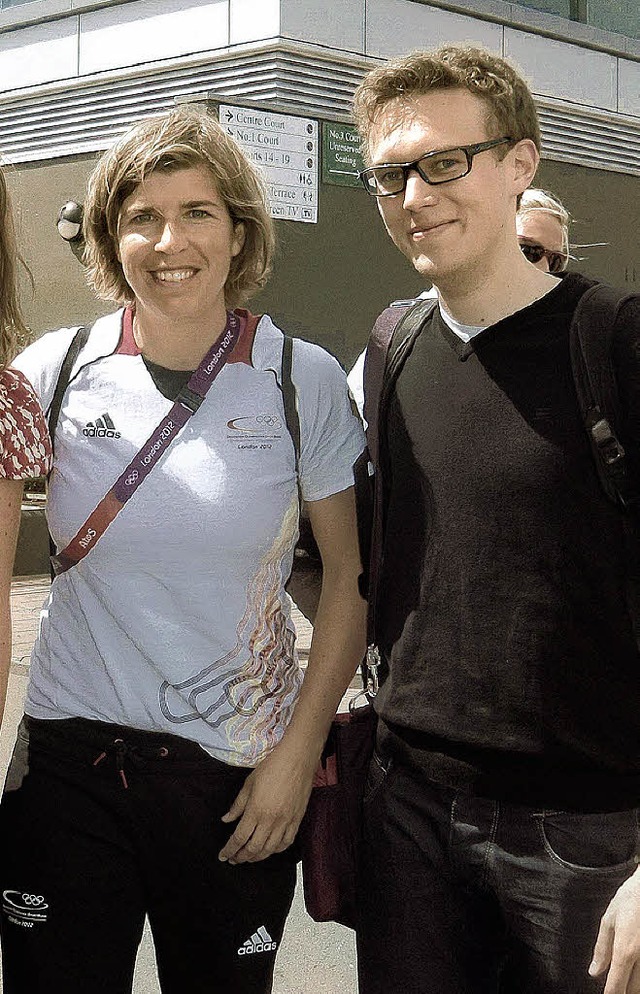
502	611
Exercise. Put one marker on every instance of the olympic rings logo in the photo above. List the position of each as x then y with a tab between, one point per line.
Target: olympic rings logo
131	479
271	420
33	900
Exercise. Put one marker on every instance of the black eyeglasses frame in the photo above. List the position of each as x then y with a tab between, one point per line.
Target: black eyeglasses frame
469	150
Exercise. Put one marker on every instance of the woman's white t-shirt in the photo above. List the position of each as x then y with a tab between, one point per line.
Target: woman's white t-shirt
178	620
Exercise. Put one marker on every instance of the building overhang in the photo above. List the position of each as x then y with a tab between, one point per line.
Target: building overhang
84	115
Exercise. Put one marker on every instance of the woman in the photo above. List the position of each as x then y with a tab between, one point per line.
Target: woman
171	743
542	223
24	440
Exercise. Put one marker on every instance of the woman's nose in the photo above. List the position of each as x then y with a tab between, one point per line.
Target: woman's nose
170	237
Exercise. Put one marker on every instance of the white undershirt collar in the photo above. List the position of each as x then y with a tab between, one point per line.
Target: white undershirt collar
464	331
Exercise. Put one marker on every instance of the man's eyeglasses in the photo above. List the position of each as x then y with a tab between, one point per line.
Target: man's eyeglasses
534	252
390	178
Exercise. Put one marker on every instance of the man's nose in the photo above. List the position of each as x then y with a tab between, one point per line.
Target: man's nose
417	191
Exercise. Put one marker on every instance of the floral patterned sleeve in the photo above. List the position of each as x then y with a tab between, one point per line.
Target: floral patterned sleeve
25	447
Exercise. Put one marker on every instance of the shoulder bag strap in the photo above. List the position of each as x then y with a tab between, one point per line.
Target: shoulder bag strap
187	403
374	366
590	340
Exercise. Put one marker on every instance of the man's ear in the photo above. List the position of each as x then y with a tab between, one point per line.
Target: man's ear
525	157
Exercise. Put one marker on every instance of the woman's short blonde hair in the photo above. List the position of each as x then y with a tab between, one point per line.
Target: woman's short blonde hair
178	139
534	200
510	107
12	326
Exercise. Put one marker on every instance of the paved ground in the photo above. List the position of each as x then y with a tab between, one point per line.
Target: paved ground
313	959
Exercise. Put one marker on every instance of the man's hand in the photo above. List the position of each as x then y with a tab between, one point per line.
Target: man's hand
617	947
270	807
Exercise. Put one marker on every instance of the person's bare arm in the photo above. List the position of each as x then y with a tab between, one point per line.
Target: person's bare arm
10	503
274	797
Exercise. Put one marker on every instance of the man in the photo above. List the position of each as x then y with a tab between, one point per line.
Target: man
501	813
542	226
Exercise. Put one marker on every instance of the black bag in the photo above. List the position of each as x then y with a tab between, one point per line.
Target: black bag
331	830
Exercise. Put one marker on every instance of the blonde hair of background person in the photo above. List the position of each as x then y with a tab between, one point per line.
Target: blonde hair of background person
11	321
542	223
16	404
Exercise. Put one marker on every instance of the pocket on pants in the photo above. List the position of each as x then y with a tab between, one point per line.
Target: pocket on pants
598	842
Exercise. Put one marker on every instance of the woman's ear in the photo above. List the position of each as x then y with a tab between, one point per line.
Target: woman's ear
239	235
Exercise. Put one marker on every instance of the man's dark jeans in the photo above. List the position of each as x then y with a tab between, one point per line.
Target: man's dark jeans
466	895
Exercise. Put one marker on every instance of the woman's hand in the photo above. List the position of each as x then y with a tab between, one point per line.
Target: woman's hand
270	807
617	950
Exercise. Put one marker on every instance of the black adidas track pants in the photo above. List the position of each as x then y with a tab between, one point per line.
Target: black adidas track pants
100	825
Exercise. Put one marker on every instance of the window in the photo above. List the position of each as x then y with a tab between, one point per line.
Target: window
622	16
561	7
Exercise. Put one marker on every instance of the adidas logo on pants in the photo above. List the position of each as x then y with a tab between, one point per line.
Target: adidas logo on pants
260	942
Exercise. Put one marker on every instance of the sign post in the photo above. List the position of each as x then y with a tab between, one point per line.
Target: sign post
286	149
341	158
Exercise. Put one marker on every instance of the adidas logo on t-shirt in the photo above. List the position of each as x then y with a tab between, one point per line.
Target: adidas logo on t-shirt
260	942
101	428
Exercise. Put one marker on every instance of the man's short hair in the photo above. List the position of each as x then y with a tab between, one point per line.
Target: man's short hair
178	139
510	107
534	200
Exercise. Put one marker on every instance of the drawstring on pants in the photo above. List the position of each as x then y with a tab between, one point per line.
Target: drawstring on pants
119	749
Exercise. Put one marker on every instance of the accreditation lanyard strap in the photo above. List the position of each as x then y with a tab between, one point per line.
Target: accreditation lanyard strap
186	404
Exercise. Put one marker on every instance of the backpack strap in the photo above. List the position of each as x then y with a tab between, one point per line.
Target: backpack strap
374	366
290	396
394	331
403	318
78	342
590	340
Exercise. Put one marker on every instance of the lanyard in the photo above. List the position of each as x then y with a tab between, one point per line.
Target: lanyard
186	404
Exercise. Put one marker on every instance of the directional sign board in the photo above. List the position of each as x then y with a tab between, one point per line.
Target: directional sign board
341	158
286	149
